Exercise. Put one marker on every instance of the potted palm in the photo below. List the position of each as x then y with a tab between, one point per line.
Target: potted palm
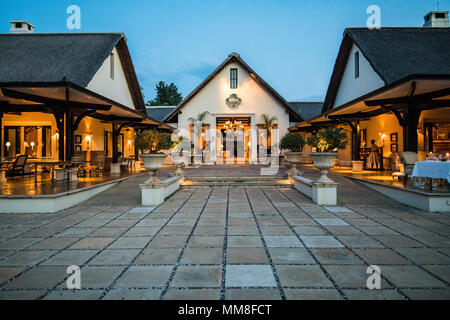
150	143
268	124
294	143
198	121
326	143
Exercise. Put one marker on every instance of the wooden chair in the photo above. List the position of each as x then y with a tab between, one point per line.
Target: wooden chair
78	161
18	167
107	165
97	163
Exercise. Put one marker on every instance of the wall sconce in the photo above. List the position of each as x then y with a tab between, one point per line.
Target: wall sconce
32	144
383	136
88	141
7	144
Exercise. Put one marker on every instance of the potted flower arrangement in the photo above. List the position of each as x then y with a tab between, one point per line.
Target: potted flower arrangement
150	143
294	143
326	144
179	156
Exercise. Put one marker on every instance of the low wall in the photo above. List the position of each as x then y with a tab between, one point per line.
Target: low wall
322	193
155	194
51	203
421	200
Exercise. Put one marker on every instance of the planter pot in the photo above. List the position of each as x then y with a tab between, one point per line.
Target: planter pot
357	166
179	161
153	162
323	161
294	158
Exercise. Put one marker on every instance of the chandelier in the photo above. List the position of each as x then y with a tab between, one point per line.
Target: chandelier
231	126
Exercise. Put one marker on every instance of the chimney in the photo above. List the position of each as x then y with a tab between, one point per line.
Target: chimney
21	26
436	19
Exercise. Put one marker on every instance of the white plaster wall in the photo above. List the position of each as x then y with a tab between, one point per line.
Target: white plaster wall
115	89
351	88
95	129
384	124
255	99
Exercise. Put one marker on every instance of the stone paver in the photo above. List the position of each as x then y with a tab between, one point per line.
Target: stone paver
227	243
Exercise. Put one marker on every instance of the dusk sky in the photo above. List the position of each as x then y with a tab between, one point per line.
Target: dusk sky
291	44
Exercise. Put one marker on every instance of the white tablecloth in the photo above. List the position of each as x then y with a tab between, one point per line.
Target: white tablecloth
432	169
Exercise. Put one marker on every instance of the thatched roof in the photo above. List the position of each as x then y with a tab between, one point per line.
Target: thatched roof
63	57
233	57
307	110
394	54
159	112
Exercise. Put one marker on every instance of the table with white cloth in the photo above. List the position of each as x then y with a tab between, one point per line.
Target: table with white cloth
431	175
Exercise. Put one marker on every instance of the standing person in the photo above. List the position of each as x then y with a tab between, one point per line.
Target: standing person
374	156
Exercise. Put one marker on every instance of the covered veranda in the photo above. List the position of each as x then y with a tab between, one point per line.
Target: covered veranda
409	115
54	123
400	117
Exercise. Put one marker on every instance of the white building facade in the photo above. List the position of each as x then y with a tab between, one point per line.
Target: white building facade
234	99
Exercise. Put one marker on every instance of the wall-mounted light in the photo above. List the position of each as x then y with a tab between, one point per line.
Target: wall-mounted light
32	144
7	144
88	139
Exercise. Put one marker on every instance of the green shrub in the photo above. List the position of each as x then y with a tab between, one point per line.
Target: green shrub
293	142
329	140
153	141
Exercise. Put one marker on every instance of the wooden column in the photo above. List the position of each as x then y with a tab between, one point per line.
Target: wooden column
411	116
356	138
115	133
2	143
429	130
70	148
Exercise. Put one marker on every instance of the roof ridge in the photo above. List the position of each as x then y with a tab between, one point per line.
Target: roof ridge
62	34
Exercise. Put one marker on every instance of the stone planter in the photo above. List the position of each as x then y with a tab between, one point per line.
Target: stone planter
179	161
294	158
357	166
323	161
153	162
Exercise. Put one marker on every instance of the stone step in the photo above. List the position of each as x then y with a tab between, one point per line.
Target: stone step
199	181
234	178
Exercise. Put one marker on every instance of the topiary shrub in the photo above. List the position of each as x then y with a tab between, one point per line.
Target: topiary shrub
330	139
293	142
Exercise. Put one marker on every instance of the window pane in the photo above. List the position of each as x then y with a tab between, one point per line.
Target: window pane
46	142
111	67
233	78
12	143
356	64
31	142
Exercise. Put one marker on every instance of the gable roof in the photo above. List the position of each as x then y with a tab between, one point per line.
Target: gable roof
63	57
159	112
307	109
394	54
234	57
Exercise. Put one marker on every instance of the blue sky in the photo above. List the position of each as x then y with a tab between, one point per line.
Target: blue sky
292	44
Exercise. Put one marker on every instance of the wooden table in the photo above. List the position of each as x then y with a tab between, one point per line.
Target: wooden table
50	163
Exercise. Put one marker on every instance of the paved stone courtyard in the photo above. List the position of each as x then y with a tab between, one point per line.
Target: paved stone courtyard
227	243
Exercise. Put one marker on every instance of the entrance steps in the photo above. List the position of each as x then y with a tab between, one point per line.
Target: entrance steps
214	181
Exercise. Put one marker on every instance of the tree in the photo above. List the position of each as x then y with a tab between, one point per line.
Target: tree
166	95
200	117
268	123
